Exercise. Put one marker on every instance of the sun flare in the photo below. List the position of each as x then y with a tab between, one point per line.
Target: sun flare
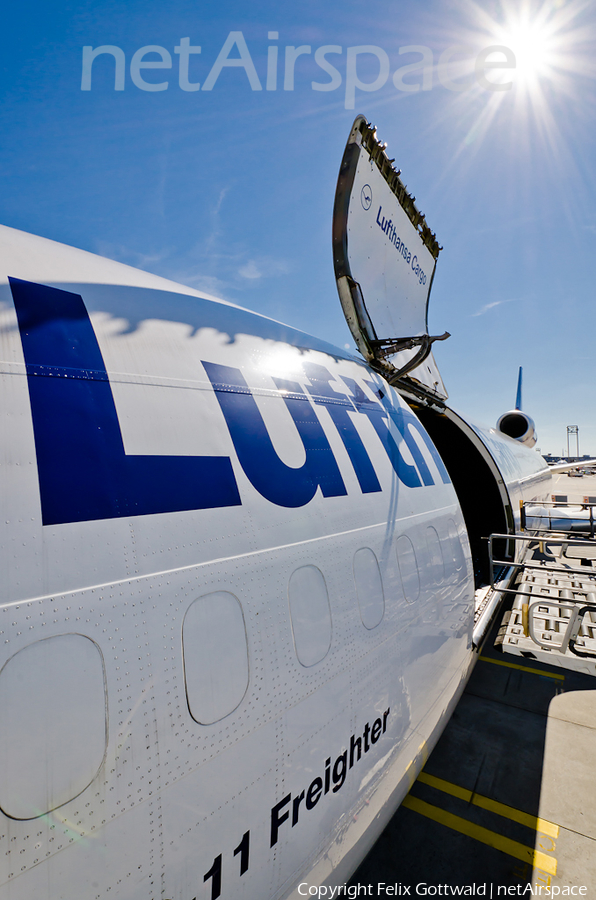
531	48
533	42
536	53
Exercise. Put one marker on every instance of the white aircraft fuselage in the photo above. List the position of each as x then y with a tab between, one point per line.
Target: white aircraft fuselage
237	590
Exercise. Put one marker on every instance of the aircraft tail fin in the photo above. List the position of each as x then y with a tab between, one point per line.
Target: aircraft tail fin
518	399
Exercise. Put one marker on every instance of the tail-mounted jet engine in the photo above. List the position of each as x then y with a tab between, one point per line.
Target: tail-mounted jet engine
517	424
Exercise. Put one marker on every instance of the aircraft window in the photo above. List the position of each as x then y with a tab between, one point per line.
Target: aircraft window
435	554
215	653
310	614
369	587
408	568
456	547
54	726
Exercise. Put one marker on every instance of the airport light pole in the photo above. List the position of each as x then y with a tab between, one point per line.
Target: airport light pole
573	430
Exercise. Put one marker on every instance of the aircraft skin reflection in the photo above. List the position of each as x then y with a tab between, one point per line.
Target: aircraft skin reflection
238	590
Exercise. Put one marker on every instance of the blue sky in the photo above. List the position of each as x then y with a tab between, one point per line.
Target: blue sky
231	189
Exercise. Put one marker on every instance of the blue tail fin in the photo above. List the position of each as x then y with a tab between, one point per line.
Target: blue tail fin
518	399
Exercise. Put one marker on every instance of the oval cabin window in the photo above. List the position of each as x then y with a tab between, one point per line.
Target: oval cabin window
457	554
369	587
54	726
215	653
435	553
408	568
310	614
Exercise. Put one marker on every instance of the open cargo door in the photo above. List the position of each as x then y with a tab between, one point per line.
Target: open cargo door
385	256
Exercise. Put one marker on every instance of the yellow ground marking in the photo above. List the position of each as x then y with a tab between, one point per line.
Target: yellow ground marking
508	812
484	835
508	665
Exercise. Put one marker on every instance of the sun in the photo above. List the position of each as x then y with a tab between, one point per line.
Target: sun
533	52
533	40
540	46
539	50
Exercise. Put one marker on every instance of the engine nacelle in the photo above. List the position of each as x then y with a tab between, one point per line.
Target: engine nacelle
516	424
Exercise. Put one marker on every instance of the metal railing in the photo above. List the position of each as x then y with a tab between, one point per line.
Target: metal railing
554	598
590	520
542	541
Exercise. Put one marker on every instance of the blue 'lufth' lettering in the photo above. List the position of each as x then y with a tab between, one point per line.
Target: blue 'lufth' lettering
277	482
407	423
377	416
84	472
339	406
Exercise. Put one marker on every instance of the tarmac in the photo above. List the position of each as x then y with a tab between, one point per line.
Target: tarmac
506	804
